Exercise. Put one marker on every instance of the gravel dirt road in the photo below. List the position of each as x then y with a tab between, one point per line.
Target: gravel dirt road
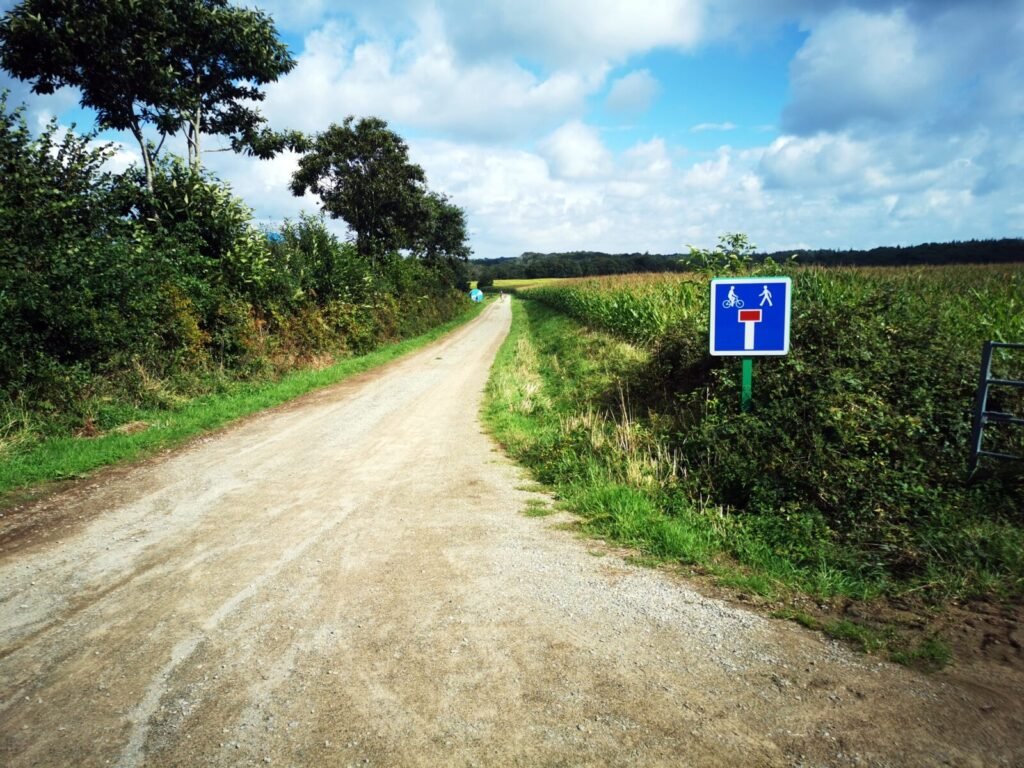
350	580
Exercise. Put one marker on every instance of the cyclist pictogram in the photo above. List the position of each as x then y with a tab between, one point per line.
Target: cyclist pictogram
732	300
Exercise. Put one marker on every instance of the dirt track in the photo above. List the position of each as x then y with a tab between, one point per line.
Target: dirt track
349	581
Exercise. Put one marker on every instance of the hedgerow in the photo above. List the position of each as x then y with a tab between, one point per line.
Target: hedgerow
854	456
115	296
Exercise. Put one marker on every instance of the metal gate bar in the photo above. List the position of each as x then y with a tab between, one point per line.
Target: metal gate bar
982	415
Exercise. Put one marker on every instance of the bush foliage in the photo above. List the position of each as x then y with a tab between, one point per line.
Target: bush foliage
116	295
854	455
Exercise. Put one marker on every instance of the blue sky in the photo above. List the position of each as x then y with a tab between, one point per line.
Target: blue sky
647	126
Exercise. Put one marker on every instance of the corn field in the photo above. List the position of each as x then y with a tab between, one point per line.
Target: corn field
639	308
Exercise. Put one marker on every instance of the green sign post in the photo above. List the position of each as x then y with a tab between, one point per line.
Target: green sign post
748	384
749	318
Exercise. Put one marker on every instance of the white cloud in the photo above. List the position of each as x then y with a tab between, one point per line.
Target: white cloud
124	156
512	201
902	123
295	14
859	66
634	92
264	186
39	109
897	163
1015	215
648	160
554	33
575	151
572	32
943	66
845	193
702	127
897	125
820	161
420	84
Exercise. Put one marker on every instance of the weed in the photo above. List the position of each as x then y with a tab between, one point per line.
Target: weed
866	639
861	494
644	561
800	617
537	508
532	488
931	654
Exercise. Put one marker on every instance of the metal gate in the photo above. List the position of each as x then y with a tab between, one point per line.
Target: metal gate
983	416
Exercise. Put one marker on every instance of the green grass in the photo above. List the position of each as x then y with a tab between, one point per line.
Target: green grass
61	458
577	406
865	638
929	653
554	402
538	508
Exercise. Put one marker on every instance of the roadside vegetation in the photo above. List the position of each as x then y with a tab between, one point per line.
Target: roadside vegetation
847	480
143	431
127	297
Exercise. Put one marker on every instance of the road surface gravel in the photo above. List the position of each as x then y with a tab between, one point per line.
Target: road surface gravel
350	580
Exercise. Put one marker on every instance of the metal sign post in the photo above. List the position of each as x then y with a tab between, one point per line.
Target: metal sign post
750	318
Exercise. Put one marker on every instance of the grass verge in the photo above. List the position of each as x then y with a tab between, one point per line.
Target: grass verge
62	458
558	401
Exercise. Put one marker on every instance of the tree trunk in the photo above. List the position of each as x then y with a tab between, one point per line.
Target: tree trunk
147	160
195	129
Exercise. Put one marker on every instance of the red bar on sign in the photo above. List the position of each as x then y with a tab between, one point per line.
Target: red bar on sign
750	315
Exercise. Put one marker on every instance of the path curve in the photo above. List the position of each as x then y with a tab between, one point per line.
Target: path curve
349	580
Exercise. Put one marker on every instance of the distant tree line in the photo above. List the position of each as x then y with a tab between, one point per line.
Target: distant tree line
574	264
1004	251
592	263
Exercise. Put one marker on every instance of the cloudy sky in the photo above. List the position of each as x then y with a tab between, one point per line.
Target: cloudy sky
648	125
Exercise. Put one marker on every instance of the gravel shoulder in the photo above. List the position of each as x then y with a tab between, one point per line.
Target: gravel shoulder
349	580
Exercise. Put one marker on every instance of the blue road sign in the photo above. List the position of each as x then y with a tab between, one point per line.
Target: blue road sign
750	316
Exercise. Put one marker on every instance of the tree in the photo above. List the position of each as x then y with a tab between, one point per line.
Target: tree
77	281
441	238
178	65
362	173
733	254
